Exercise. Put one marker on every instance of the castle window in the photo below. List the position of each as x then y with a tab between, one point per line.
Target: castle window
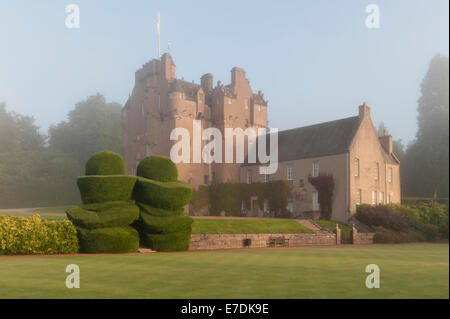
377	171
259	108
290	206
290	173
374	198
390	175
229	101
358	197
249	176
246	103
315	169
388	199
206	179
356	166
315	201
381	198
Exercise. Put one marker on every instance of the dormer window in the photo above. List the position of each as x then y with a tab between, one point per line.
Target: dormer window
246	104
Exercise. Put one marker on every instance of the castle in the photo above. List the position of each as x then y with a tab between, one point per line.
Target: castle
160	102
364	167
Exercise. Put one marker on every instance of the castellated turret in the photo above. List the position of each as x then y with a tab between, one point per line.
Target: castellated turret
160	103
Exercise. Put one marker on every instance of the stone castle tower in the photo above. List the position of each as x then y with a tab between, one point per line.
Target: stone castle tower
160	102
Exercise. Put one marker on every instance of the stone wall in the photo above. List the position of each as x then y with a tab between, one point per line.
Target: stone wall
227	241
363	238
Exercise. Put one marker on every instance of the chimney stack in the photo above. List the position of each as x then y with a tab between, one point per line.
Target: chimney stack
364	110
207	82
386	142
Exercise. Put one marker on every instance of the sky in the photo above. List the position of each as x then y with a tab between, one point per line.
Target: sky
315	60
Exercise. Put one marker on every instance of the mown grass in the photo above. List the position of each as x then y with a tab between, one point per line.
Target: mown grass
406	271
247	226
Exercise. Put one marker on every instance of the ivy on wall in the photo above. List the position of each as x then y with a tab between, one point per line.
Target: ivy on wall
324	184
228	197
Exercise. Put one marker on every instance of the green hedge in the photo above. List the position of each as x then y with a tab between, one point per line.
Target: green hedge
109	214
159	168
387	236
168	242
169	195
105	163
108	240
165	224
32	235
98	189
159	211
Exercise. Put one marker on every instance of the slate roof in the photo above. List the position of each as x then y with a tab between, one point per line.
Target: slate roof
258	99
190	89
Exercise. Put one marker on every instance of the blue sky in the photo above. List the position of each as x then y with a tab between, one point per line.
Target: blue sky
315	60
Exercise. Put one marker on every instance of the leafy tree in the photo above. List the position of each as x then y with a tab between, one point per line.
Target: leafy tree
93	126
427	159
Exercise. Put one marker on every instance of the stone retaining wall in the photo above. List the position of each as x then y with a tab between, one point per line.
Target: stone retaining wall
363	238
225	241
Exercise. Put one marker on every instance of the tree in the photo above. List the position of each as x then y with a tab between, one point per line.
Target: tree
93	126
427	158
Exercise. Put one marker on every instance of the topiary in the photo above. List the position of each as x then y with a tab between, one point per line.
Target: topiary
158	168
168	242
121	239
105	163
99	189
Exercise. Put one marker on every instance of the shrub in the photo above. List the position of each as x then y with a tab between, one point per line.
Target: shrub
159	211
381	216
170	195
324	184
109	214
105	163
32	235
98	189
168	242
159	168
387	236
165	224
108	240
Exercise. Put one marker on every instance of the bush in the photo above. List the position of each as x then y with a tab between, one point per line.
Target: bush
109	214
165	224
381	216
32	235
98	189
159	168
170	195
159	211
168	242
105	163
108	240
386	236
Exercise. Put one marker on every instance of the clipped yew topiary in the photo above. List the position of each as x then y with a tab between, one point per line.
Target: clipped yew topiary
158	168
103	221
162	224
105	163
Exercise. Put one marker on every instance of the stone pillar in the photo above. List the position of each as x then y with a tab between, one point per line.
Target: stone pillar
353	234
337	231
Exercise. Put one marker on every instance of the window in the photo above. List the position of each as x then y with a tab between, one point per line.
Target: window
266	206
381	198
315	169
259	108
290	173
358	197
390	175
229	101
246	103
374	198
315	201
377	171
290	207
206	179
356	166
249	176
201	98
388	199
266	178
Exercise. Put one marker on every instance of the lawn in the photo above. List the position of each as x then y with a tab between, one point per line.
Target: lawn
406	271
247	226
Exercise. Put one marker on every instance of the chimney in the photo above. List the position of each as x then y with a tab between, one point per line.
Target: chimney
207	82
386	142
364	110
237	76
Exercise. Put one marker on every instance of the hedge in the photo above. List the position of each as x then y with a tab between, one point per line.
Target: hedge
387	236
32	235
109	214
165	224
168	242
159	168
98	189
169	195
159	211
105	163
108	240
